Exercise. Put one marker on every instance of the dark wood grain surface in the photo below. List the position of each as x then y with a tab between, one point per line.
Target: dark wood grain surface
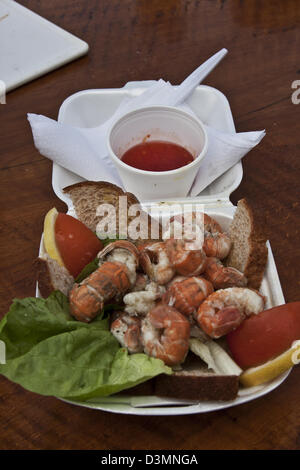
137	40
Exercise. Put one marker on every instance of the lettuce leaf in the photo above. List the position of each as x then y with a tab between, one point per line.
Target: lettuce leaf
94	264
50	353
87	270
32	320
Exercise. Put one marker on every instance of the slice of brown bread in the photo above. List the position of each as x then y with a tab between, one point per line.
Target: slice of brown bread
51	276
249	253
194	382
142	389
88	195
198	384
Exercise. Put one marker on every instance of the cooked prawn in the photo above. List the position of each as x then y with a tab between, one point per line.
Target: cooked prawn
110	280
127	330
124	252
155	262
223	276
165	334
188	227
216	242
187	295
186	262
225	309
217	245
176	279
140	283
141	302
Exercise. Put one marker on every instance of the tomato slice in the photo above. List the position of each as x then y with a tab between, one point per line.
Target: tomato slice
77	244
266	335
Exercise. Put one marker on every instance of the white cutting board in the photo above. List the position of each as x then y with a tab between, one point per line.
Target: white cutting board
31	46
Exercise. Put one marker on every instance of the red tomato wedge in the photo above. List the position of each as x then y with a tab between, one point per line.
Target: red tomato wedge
266	335
77	244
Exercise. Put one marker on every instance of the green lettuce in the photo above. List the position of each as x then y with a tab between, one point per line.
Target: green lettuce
94	264
50	353
87	270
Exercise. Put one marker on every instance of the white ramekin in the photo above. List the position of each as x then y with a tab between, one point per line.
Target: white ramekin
157	123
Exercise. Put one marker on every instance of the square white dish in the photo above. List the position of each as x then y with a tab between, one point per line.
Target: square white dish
92	107
31	45
270	288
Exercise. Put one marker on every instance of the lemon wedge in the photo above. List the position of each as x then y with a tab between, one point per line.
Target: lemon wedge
49	236
271	369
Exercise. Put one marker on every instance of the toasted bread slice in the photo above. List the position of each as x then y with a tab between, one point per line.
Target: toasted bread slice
249	252
88	195
194	382
197	382
51	276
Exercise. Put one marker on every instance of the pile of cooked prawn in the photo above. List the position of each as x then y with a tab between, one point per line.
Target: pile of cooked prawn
170	293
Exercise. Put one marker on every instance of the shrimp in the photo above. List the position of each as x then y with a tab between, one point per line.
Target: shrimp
142	244
165	334
141	282
225	309
221	276
110	280
176	279
127	330
115	276
155	262
186	262
124	252
140	303
186	296
216	243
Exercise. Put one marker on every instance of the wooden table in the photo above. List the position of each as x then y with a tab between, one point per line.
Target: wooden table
136	40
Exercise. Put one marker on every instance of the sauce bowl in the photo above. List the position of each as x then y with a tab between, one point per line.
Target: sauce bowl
164	123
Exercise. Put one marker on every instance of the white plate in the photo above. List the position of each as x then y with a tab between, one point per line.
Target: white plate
32	46
92	107
270	287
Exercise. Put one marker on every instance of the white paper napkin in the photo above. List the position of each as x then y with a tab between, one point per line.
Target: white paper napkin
83	150
224	151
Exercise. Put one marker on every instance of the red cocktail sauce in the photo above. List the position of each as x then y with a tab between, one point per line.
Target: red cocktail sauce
157	155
